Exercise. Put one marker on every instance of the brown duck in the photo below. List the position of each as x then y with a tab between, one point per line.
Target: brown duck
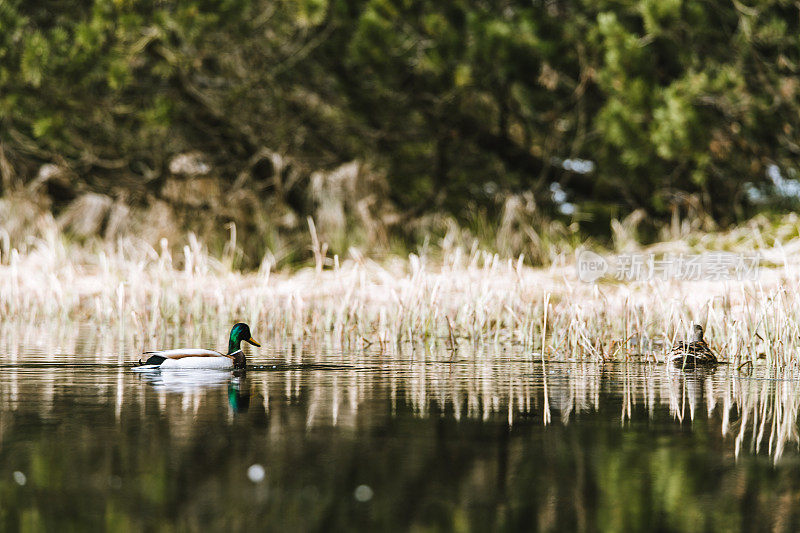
694	352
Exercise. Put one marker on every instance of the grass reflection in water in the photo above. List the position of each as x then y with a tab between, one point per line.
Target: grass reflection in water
325	440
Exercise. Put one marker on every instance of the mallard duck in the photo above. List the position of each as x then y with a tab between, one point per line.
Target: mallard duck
694	352
186	358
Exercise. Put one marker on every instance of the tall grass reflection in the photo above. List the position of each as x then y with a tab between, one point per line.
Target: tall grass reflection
752	413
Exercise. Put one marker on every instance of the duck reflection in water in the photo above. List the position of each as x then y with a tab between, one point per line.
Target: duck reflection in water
186	381
688	389
239	392
191	383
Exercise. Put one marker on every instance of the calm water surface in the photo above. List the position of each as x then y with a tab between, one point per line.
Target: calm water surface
316	438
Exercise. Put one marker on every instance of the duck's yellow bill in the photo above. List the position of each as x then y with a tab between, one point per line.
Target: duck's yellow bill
252	341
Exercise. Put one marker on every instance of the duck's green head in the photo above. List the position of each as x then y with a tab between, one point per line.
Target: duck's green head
239	333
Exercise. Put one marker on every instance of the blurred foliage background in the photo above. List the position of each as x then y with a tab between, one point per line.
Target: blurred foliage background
528	126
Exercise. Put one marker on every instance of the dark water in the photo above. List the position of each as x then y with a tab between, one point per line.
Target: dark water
326	440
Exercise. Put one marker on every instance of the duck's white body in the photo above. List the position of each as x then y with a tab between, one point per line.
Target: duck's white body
219	363
186	353
190	358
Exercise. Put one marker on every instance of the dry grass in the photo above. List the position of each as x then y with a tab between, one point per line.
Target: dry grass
447	297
